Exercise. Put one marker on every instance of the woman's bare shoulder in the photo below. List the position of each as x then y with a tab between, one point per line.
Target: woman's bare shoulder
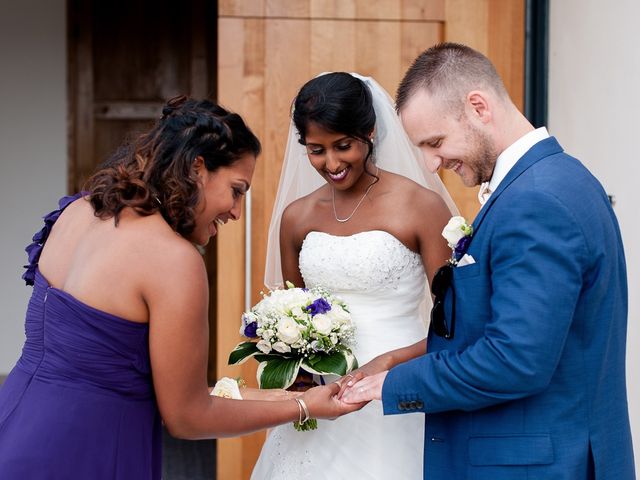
302	208
170	251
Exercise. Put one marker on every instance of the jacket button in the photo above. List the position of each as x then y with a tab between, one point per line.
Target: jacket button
402	406
419	404
412	405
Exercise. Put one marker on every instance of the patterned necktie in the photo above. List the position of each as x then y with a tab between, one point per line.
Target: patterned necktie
484	193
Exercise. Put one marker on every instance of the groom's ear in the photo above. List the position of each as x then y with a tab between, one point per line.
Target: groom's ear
478	107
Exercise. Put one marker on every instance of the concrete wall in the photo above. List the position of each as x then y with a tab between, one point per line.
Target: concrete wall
594	110
33	146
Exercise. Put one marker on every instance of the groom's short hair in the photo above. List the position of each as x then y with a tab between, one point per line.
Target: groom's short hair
449	71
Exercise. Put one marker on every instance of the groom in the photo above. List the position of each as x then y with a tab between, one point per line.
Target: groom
527	380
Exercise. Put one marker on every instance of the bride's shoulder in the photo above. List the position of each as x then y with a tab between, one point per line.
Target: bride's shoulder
308	203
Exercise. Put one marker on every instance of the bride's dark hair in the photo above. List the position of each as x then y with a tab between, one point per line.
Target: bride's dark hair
339	103
154	172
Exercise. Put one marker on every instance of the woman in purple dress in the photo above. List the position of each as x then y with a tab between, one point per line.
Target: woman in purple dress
117	331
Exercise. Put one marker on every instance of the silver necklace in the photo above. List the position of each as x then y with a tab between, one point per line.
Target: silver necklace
343	220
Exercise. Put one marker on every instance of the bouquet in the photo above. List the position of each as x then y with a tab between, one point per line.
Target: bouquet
296	328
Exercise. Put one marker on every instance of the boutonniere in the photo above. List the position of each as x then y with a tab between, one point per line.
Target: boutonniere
458	235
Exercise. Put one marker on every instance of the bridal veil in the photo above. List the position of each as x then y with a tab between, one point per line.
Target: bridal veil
393	152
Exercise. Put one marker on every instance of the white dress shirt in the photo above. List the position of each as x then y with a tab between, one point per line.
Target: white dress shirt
507	159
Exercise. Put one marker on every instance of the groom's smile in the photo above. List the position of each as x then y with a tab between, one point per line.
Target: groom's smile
448	141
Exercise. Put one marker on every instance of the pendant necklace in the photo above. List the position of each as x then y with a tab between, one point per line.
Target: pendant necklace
343	220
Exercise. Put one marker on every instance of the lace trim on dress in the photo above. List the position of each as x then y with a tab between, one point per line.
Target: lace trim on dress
35	248
369	260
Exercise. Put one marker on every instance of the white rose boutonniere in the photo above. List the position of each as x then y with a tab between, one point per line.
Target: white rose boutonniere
458	235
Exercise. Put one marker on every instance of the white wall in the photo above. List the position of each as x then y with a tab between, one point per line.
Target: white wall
594	110
33	148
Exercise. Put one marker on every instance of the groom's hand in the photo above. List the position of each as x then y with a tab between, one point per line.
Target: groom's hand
367	389
379	364
324	403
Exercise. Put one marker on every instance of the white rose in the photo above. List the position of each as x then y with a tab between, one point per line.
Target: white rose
322	323
299	313
263	346
455	230
227	388
281	347
295	298
288	330
338	315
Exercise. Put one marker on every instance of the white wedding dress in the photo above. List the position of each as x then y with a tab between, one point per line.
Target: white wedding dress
383	284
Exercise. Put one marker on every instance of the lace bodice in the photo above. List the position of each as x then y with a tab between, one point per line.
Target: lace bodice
371	260
382	282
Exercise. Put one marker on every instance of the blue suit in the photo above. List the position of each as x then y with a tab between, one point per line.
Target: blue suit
532	386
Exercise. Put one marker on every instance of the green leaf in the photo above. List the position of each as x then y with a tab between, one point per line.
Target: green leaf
242	351
338	363
277	372
311	424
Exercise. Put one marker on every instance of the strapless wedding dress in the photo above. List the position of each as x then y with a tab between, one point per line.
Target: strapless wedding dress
384	285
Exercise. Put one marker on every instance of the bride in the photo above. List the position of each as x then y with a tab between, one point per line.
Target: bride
356	213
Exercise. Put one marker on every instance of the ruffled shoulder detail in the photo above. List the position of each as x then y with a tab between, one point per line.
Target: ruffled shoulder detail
35	248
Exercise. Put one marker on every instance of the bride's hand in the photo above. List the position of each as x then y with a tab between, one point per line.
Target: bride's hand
322	402
381	363
268	394
366	390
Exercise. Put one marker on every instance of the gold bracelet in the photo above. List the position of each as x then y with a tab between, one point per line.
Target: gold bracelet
306	410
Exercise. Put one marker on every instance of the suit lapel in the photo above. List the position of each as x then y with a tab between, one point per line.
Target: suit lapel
542	149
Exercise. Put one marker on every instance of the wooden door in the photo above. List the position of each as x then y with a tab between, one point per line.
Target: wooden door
266	50
125	59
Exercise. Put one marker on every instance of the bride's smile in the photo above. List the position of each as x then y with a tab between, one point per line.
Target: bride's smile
339	176
339	158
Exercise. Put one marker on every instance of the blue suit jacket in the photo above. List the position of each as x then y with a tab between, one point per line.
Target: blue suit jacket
532	386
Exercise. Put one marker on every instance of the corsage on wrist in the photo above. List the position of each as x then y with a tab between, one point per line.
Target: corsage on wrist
228	388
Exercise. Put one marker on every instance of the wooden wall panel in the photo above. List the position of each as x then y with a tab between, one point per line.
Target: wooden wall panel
428	10
266	50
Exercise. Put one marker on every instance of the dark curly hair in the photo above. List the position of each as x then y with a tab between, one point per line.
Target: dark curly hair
154	172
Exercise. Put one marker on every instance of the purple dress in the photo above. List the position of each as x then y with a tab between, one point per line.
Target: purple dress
79	404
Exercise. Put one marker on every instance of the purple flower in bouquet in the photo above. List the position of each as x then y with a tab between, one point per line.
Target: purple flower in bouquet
320	305
249	326
250	330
